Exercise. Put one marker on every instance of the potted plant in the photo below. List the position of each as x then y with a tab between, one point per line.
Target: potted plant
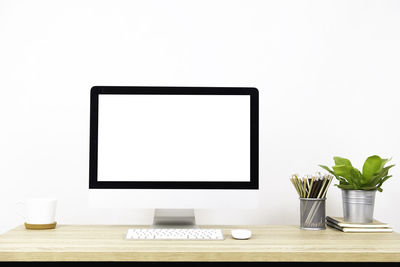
359	188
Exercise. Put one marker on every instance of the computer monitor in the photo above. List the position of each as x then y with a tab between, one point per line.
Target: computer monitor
174	148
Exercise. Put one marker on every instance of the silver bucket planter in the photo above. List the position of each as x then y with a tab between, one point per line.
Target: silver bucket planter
358	205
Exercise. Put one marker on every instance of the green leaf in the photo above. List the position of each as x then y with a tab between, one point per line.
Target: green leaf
332	172
383	180
356	175
384	161
372	166
377	178
341	170
349	173
386	169
374	181
327	169
342	161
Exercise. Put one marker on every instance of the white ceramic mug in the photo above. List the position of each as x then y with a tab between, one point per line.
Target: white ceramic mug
39	210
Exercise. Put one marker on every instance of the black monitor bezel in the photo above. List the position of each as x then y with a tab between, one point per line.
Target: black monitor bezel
254	121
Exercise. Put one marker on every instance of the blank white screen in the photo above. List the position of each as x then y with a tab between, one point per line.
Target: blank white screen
174	138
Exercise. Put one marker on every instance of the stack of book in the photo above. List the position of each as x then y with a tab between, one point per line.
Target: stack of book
373	227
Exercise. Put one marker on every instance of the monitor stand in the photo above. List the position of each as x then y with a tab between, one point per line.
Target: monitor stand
174	218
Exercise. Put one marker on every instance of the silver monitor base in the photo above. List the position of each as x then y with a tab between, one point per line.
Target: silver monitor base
174	218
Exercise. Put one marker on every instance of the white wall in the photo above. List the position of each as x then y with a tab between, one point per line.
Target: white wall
327	71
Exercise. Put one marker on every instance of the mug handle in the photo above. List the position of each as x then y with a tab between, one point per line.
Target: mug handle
18	211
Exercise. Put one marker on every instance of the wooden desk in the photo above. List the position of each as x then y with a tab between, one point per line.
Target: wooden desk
269	243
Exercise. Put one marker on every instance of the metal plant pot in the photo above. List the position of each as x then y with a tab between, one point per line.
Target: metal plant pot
358	205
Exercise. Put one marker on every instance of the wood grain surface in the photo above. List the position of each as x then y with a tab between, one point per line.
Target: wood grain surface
268	243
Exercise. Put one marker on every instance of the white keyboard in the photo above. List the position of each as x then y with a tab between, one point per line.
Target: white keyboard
174	234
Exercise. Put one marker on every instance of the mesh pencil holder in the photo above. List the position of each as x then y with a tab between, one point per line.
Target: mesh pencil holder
312	213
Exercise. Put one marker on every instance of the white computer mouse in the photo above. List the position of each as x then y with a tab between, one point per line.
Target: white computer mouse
241	234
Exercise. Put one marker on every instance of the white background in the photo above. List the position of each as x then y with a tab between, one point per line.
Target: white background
327	71
174	138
